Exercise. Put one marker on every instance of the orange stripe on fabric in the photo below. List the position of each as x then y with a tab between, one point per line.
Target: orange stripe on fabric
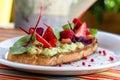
104	76
14	77
100	76
89	78
114	71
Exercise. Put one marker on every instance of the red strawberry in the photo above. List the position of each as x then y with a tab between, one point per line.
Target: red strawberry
77	23
67	34
40	39
49	35
53	42
81	31
87	31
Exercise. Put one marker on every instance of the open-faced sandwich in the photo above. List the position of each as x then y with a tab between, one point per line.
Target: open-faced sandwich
52	47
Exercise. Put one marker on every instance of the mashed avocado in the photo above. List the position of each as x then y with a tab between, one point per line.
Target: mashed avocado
57	50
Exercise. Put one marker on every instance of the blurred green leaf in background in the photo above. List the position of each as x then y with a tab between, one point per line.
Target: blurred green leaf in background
101	6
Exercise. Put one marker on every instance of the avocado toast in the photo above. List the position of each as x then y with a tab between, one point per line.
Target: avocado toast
52	47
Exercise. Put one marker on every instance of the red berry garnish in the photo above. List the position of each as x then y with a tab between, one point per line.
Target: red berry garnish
48	34
89	65
83	63
39	30
92	60
87	32
100	52
60	65
111	58
81	31
67	34
77	23
104	53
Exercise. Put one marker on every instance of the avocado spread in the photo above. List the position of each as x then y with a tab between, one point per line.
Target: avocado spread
56	50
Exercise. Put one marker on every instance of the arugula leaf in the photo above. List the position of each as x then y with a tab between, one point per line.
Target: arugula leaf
93	31
67	26
19	46
57	33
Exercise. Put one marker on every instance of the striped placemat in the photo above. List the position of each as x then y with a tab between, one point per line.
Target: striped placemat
7	73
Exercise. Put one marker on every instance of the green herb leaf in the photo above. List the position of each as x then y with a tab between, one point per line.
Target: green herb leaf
22	41
33	38
19	46
93	31
67	26
57	33
18	50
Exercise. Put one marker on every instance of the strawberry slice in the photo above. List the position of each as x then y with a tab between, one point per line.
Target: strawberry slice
40	39
77	23
53	42
81	31
50	36
87	31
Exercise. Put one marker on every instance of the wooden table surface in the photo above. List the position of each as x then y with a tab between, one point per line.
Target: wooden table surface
10	33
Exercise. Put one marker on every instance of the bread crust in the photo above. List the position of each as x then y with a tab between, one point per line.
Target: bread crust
38	59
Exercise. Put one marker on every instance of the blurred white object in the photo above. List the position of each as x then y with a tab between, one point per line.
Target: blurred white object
55	12
53	7
7	25
79	7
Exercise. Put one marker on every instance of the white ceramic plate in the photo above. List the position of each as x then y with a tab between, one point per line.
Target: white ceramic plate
107	41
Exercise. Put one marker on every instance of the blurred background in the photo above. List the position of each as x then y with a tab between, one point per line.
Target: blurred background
101	14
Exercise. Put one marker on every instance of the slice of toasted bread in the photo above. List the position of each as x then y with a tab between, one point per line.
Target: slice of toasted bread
38	59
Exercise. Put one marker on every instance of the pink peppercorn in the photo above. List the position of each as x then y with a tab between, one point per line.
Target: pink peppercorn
60	65
104	53
89	65
83	63
100	52
92	60
111	58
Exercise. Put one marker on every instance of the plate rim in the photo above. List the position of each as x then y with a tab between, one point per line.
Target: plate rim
53	68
